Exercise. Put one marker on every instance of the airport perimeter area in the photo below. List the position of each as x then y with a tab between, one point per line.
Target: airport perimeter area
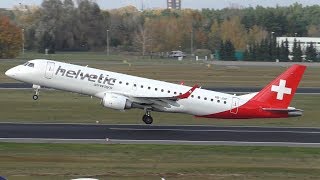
29	161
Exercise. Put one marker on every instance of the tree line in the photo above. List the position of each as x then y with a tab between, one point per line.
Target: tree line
63	25
10	38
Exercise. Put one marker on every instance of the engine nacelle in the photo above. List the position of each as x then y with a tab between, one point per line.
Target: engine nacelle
115	101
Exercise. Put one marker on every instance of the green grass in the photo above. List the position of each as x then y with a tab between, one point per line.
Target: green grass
58	107
191	72
66	161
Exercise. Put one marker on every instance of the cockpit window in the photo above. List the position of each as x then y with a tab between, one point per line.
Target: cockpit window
25	64
31	65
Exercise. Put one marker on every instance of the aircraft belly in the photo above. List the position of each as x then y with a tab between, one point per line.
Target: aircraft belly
201	108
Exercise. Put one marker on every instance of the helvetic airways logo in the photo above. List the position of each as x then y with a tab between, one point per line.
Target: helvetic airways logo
281	89
101	79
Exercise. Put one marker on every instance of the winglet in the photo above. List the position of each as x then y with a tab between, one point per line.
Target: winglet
188	93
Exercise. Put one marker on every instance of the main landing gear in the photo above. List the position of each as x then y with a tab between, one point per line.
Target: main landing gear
147	117
36	92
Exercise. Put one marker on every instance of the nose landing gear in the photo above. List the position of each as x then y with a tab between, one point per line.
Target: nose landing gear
147	117
36	89
35	97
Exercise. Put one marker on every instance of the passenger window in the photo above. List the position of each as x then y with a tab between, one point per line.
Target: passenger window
162	90
120	82
205	98
168	91
141	86
149	87
127	83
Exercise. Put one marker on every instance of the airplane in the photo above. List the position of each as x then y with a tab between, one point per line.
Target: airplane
120	92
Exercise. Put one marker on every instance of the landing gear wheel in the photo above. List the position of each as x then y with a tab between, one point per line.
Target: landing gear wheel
35	97
147	119
36	92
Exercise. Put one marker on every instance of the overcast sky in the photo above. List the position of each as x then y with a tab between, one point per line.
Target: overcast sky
196	4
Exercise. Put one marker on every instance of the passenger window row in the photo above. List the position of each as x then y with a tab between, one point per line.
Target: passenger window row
218	101
175	93
149	88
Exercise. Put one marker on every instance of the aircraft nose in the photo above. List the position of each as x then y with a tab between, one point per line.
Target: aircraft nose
10	72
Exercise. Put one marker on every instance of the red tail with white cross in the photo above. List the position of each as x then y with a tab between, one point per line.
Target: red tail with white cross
279	93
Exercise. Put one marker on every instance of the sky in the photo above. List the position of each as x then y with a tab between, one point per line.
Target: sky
195	4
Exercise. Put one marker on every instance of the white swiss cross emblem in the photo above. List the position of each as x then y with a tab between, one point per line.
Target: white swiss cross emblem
281	89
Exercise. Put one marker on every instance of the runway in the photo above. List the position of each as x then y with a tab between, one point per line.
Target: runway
145	134
311	90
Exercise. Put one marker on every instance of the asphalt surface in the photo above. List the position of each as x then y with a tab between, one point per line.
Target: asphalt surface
144	134
313	90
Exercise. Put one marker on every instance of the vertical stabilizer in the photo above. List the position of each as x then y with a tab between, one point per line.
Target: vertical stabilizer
279	93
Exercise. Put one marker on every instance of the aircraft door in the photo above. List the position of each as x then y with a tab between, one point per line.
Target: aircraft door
49	70
234	105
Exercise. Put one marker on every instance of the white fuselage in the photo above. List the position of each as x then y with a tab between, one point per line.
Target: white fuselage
95	82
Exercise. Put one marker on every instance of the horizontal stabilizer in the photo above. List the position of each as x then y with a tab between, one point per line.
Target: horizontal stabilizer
292	112
283	110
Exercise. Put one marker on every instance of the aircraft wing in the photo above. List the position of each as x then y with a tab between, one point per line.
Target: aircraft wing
161	101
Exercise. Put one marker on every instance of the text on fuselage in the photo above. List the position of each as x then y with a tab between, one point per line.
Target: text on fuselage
102	79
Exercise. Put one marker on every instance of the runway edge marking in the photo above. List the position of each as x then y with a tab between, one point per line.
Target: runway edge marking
163	142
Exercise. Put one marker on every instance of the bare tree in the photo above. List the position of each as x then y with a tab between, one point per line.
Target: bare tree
142	39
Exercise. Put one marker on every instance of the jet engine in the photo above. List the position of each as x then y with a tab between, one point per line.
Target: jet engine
115	101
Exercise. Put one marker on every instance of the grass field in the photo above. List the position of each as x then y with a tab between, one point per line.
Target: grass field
59	107
113	162
66	161
190	72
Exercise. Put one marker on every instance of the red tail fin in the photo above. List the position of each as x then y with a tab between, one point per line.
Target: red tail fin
279	93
